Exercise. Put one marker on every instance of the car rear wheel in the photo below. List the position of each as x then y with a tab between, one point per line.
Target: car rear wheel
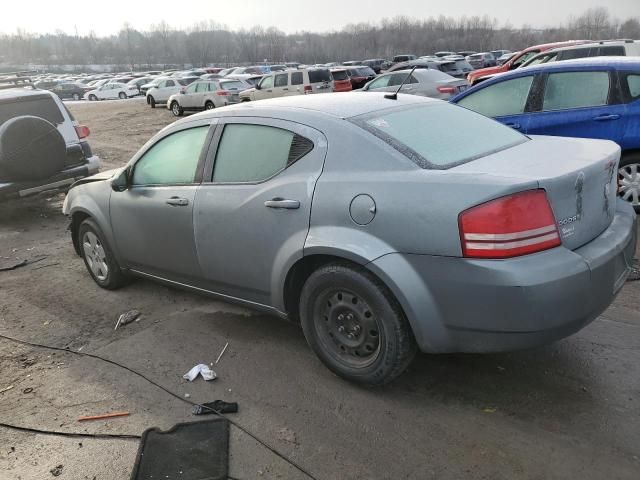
209	105
98	257
76	96
355	325
176	109
151	101
122	96
93	98
629	179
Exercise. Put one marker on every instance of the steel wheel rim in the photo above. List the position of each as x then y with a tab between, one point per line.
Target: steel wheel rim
95	256
348	328
629	189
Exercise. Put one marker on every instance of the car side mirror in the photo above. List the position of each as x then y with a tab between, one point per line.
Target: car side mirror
121	182
258	87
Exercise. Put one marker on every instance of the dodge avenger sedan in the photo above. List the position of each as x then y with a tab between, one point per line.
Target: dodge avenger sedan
383	224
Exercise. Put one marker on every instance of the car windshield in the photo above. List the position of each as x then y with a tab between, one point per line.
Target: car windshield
362	72
439	135
320	75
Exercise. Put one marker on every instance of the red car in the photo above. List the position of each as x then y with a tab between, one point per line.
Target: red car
341	80
517	60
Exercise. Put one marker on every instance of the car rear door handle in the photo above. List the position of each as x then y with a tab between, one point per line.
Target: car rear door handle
178	202
285	89
282	203
602	118
515	126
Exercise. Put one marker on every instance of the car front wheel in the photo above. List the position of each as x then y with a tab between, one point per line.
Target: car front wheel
629	179
355	325
151	101
98	257
122	95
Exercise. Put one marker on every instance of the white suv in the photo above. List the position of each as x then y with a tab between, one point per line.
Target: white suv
163	89
603	48
293	82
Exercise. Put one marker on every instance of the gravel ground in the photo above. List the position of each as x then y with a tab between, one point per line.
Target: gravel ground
569	410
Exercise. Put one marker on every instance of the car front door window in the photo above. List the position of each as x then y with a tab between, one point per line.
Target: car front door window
381	82
562	92
267	82
173	160
500	99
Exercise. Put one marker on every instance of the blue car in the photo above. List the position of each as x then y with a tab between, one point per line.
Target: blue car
588	98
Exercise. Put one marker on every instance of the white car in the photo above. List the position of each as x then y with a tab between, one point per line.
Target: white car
294	82
164	88
111	91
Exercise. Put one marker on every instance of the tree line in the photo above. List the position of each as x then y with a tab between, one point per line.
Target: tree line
210	43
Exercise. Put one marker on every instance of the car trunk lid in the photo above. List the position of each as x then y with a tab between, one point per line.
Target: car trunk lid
578	175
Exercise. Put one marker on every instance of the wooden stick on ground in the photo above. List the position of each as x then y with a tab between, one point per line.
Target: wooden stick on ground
101	417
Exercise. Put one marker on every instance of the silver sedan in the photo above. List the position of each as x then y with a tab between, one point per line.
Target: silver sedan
383	225
425	82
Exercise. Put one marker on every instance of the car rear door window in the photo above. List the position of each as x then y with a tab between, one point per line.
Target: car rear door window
297	78
633	81
254	153
170	83
201	87
500	99
567	90
281	80
172	160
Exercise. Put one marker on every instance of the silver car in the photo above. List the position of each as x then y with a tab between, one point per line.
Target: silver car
206	95
424	82
383	225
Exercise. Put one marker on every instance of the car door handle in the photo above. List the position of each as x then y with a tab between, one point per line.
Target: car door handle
282	203
178	202
515	126
285	89
602	118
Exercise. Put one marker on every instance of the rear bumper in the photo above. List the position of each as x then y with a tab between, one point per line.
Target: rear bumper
61	181
466	305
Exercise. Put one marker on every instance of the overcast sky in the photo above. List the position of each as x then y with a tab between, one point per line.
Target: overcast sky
106	17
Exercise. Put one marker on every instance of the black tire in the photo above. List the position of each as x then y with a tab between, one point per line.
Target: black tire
114	277
122	96
151	101
209	105
93	98
355	326
176	109
31	149
630	179
76	96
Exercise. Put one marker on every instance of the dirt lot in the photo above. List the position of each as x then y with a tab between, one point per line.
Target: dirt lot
570	410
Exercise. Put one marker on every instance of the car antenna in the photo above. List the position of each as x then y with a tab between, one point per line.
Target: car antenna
394	96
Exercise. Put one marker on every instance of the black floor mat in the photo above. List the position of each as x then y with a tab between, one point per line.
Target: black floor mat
188	451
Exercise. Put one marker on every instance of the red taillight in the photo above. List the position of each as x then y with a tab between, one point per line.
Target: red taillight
447	90
308	89
82	131
223	93
510	226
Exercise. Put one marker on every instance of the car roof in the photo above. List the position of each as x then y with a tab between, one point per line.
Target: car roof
601	43
337	105
576	64
547	46
22	92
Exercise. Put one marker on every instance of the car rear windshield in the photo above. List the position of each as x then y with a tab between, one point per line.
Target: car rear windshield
38	106
439	135
232	84
448	67
321	75
340	75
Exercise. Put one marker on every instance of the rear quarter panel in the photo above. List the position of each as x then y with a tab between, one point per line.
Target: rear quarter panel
416	210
